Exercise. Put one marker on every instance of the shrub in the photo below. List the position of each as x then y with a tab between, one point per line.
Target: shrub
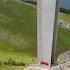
20	64
0	62
12	62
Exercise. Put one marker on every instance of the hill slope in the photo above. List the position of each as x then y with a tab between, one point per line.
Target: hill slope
63	43
65	17
17	31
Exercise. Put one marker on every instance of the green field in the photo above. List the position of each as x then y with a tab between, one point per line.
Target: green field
11	68
64	17
18	28
17	33
63	43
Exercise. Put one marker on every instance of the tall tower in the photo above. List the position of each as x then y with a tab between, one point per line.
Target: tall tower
46	30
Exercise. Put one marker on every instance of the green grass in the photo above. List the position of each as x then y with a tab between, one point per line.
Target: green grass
11	67
65	17
18	30
63	43
17	33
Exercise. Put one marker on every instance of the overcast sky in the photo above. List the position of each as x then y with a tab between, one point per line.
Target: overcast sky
65	3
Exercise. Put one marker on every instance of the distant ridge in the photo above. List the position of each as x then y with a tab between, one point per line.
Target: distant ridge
30	1
63	10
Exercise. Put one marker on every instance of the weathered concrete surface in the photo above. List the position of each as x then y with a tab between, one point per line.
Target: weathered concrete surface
63	62
61	67
64	58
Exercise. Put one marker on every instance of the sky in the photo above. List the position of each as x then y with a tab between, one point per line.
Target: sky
65	4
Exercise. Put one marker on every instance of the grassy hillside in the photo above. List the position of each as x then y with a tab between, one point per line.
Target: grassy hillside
63	43
17	32
64	17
